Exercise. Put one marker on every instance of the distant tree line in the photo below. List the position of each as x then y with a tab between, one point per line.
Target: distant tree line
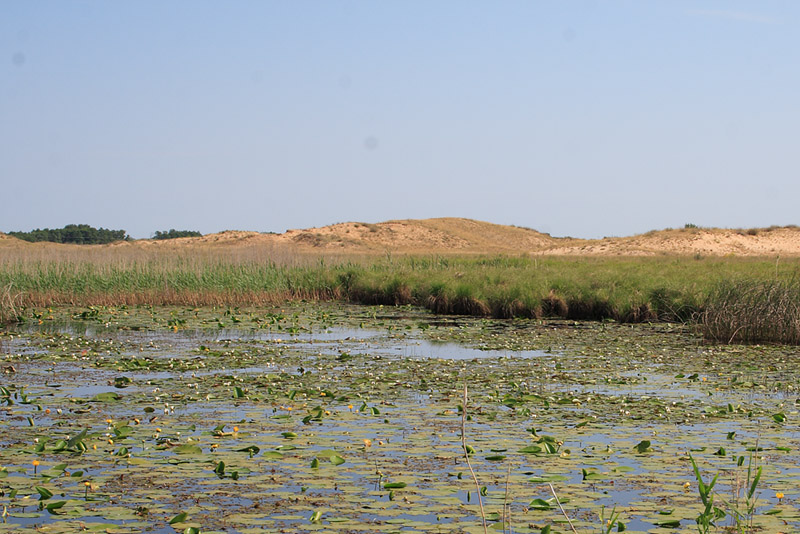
173	233
81	234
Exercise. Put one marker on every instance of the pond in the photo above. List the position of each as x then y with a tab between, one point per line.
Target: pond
333	418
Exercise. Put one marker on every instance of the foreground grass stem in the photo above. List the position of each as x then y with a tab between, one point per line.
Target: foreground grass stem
466	457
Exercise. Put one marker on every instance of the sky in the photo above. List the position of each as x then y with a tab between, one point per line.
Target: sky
576	118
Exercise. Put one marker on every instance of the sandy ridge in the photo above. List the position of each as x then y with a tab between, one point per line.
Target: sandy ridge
467	236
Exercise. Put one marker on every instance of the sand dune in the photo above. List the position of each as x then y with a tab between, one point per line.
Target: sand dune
467	236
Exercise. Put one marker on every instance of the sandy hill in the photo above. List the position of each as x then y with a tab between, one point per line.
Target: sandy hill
8	240
467	236
420	236
427	236
773	241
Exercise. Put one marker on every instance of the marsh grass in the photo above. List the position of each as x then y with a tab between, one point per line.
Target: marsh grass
10	305
753	311
759	307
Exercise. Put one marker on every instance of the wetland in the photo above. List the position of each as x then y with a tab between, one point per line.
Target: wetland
323	417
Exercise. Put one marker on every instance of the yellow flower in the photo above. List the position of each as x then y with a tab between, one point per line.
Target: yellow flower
779	495
236	429
367	443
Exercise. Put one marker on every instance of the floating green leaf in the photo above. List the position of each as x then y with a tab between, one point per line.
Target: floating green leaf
179	518
187	448
540	504
109	396
220	468
592	475
54	506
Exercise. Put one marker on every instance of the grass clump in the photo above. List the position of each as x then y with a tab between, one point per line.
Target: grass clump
10	305
753	311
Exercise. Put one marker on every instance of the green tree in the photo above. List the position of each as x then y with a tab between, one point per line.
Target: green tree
173	233
80	234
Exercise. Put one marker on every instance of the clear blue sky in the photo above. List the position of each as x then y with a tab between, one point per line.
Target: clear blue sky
582	118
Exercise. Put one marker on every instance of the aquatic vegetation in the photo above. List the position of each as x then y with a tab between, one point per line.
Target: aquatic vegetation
11	305
623	289
467	452
753	311
323	417
710	512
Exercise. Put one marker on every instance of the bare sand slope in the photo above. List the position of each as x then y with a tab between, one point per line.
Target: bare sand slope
467	236
693	241
427	235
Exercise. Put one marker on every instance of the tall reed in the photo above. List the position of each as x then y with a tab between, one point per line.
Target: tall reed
753	311
10	304
631	289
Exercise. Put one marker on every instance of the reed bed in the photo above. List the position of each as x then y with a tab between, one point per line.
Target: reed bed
628	289
753	311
